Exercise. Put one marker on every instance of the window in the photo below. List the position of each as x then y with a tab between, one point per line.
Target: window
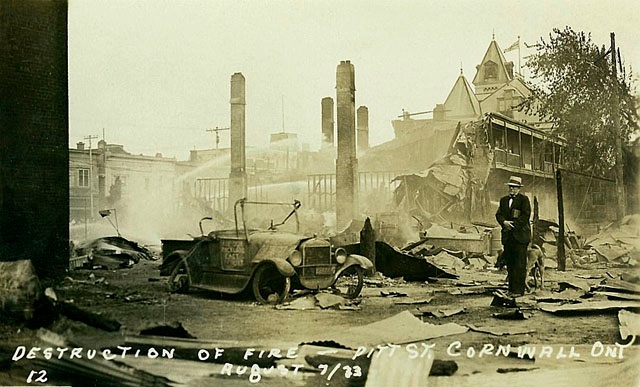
506	101
501	105
598	194
83	177
490	70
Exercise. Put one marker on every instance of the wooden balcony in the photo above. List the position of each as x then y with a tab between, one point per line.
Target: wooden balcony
514	160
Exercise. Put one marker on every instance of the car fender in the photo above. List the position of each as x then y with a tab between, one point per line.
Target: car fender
353	260
180	256
283	266
171	261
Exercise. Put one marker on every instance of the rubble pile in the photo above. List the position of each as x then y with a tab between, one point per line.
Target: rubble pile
448	274
617	245
108	253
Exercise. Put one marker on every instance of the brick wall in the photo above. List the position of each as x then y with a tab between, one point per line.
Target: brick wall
34	182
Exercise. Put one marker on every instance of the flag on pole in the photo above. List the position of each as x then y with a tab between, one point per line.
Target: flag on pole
514	46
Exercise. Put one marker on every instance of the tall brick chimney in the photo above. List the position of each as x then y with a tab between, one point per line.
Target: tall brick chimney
238	175
363	128
346	162
327	123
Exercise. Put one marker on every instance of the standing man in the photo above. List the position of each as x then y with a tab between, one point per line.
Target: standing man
513	216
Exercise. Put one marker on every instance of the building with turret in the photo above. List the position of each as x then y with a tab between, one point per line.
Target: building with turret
455	163
495	88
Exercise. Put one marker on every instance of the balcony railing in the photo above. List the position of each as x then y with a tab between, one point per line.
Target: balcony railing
514	160
510	159
504	158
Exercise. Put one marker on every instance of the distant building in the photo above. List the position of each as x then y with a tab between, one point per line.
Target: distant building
283	160
109	176
284	150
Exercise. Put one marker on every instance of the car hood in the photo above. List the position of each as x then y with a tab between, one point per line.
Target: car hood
272	244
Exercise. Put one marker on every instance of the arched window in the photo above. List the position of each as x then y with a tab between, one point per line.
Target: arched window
490	70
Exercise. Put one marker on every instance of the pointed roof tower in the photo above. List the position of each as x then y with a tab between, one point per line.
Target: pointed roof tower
493	72
461	101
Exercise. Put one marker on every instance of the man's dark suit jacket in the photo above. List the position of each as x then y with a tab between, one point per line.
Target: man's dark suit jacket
519	212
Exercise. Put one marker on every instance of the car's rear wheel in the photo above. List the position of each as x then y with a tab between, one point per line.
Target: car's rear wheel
179	280
269	286
350	283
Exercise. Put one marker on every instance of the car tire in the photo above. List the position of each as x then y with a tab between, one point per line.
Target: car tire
353	291
269	286
179	280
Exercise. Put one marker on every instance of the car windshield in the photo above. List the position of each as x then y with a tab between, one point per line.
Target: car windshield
265	216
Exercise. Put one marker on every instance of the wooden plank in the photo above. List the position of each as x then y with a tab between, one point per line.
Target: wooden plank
596	306
496	331
399	329
621	285
620	296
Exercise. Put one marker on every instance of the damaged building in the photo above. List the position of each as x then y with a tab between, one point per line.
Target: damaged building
465	184
458	160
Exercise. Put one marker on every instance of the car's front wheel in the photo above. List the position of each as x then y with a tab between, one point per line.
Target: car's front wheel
350	283
269	286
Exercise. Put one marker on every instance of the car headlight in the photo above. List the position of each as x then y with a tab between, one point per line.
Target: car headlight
341	255
295	258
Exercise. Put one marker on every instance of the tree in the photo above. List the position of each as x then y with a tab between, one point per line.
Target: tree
574	88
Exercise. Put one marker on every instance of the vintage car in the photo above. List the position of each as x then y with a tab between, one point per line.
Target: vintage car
268	258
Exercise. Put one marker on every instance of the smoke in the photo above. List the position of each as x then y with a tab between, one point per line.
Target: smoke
162	199
216	166
156	209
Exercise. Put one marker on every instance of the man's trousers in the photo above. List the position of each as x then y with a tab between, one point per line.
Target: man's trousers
516	257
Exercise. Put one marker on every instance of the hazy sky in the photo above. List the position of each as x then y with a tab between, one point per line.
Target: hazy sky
155	74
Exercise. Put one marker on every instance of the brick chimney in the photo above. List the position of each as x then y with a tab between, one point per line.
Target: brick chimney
363	128
238	174
328	123
346	161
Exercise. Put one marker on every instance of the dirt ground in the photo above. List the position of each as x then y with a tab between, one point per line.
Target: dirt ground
138	298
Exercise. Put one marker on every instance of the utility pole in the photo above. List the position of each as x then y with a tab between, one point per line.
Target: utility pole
90	137
560	239
217	131
621	205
